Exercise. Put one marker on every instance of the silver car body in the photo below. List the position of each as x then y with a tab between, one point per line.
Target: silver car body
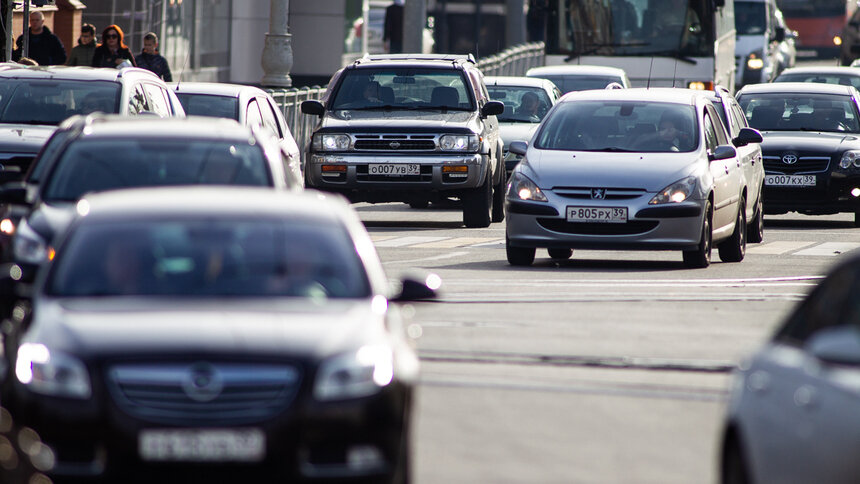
627	180
579	77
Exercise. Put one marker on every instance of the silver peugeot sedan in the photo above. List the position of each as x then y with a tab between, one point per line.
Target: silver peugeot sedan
638	169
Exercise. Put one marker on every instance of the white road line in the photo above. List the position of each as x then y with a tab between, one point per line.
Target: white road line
380	238
494	244
454	242
409	240
427	259
779	247
647	282
829	249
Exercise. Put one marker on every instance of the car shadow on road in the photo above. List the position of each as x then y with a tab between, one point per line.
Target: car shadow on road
411	224
578	265
806	224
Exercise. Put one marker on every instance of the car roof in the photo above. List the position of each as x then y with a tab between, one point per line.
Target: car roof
428	60
575	70
215	89
853	71
12	70
654	94
222	201
143	127
518	81
797	87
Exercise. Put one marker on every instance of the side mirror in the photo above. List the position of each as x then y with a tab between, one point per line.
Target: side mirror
779	34
723	152
413	289
14	193
493	108
518	147
313	107
747	136
839	345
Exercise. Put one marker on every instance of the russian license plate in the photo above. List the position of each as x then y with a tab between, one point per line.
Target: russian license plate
612	215
202	445
789	180
394	169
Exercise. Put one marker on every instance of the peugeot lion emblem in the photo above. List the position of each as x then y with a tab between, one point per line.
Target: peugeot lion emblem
202	383
394	145
598	193
789	158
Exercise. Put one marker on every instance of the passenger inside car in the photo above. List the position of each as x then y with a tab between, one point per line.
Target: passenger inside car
671	135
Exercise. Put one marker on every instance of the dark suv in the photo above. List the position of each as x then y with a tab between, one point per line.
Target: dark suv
410	128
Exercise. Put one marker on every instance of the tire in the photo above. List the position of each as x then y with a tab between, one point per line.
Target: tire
519	256
560	254
755	229
734	249
478	205
857	218
733	468
701	256
499	197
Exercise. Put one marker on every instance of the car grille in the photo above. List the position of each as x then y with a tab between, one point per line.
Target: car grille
203	393
804	164
395	142
580	193
632	227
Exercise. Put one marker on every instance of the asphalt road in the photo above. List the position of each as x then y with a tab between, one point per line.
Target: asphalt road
609	367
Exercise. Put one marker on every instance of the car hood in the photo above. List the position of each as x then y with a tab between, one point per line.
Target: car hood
50	219
101	327
517	132
396	120
24	138
806	141
649	171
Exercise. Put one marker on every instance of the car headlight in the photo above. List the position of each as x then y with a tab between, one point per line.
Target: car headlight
676	192
28	246
54	374
331	142
355	375
755	61
850	158
522	188
459	142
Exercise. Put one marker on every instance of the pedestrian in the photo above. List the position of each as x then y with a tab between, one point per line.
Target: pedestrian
393	33
45	47
150	59
112	52
82	54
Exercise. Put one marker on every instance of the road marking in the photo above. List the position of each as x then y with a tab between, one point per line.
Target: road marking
493	244
427	259
778	247
409	240
829	249
380	238
455	242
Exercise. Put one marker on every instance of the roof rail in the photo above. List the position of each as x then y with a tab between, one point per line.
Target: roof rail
437	57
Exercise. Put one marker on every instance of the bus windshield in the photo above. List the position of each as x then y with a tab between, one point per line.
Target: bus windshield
672	28
811	8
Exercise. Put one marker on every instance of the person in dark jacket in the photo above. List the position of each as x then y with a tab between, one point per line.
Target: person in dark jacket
82	54
150	59
45	47
112	52
393	31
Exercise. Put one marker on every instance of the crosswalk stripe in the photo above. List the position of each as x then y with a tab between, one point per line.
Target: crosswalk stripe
829	249
379	238
454	242
408	240
494	243
779	247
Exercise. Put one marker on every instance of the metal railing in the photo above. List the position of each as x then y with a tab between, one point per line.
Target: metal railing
514	61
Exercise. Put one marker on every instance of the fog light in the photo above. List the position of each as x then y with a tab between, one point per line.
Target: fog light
333	170
855	192
456	171
364	457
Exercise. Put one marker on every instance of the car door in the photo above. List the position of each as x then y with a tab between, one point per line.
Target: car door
725	174
273	118
750	156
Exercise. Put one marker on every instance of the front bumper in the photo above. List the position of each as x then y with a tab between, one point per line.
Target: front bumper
831	194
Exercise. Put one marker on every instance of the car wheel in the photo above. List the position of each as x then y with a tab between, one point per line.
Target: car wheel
478	205
755	229
560	254
733	468
419	205
701	256
499	197
734	249
519	256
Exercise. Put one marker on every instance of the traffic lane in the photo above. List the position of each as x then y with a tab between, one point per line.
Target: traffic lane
515	424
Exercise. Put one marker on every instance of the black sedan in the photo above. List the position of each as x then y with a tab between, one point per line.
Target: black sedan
811	148
219	330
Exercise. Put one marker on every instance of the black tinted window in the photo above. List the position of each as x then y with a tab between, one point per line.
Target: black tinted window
31	101
407	88
750	18
800	112
208	105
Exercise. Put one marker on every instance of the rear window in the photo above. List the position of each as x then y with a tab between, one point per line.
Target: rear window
209	105
50	101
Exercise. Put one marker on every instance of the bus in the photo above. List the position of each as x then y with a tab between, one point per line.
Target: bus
817	22
680	43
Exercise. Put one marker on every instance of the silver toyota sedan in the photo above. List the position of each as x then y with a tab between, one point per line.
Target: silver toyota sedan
637	169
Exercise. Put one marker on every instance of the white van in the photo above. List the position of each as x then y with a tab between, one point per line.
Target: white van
757	45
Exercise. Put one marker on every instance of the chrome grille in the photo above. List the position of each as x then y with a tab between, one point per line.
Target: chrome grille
203	392
804	164
610	193
395	142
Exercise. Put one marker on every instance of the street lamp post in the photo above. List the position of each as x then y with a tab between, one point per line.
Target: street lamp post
278	53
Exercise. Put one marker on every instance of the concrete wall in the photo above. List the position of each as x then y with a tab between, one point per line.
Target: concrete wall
317	27
248	33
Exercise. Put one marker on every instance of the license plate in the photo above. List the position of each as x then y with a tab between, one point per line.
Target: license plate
612	215
392	169
789	180
202	445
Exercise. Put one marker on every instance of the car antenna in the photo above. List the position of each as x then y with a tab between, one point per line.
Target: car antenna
184	65
674	72
648	86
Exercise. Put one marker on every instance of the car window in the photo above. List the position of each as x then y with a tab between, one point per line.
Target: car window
216	257
36	101
523	104
750	18
49	150
269	119
209	105
252	114
711	142
404	88
822	78
92	165
137	102
739	116
157	100
800	112
832	303
719	127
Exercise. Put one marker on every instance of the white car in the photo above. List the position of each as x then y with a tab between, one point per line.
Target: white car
579	77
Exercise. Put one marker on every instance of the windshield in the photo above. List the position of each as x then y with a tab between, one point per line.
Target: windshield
824	78
631	27
750	18
214	257
98	165
403	88
800	112
209	105
31	101
522	104
620	126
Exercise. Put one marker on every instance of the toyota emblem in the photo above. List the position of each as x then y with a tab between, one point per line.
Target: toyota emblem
598	193
394	145
789	158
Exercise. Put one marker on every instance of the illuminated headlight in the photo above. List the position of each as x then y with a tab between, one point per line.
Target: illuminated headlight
54	374
850	158
355	375
522	188
331	142
459	142
837	40
28	246
7	226
676	192
755	61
